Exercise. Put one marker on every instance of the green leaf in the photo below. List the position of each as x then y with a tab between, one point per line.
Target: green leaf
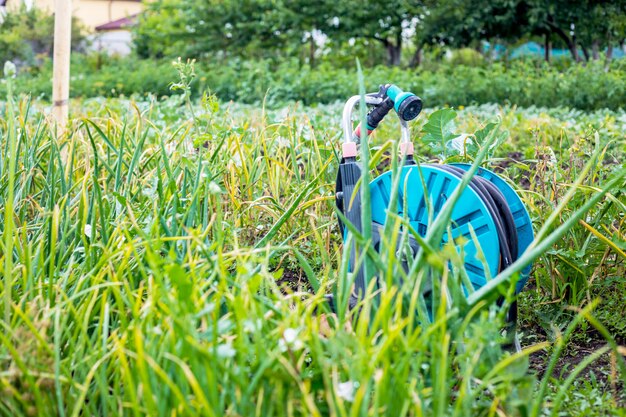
483	133
120	198
491	129
439	129
180	280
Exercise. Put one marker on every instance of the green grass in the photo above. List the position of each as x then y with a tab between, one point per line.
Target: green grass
142	276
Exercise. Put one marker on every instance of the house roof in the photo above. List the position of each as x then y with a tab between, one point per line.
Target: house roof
118	24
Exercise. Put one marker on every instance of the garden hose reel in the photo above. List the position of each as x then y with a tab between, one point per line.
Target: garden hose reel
489	213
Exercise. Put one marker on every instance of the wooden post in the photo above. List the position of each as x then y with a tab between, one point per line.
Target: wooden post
61	65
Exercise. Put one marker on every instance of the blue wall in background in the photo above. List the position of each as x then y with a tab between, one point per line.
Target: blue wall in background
537	50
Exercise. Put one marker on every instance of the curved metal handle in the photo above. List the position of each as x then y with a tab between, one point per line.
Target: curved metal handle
348	108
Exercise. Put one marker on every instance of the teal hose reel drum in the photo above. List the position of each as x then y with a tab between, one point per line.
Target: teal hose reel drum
489	205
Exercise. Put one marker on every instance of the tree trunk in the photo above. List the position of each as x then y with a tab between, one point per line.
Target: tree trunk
595	50
570	42
609	56
585	52
311	50
548	47
390	54
418	56
393	54
574	51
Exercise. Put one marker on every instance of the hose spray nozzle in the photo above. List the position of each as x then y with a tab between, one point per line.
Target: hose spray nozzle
407	105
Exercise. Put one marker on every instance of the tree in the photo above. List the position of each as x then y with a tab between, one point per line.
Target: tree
390	22
558	17
307	21
279	28
600	25
577	23
161	30
249	28
459	23
25	36
262	28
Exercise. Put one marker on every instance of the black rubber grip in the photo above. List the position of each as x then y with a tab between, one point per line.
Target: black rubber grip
378	113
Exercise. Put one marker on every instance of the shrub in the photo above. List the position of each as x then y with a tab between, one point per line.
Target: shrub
522	83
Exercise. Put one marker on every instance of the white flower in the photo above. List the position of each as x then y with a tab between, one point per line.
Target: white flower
9	69
290	335
225	351
290	340
345	390
88	230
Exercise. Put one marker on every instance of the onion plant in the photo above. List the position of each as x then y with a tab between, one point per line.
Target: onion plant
143	277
